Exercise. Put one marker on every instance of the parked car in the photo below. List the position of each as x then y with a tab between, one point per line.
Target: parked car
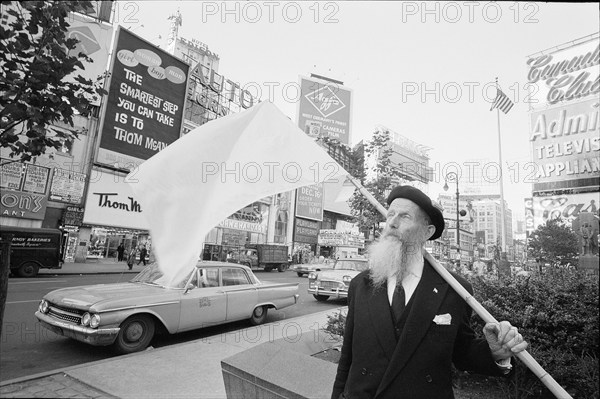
306	268
335	282
127	315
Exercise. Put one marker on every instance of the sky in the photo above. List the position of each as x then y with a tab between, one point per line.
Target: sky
423	69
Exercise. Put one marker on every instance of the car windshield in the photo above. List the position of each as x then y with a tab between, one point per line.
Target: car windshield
154	276
350	264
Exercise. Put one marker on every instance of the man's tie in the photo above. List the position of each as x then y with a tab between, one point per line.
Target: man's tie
398	302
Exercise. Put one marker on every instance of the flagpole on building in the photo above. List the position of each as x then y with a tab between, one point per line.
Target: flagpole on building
502	208
482	312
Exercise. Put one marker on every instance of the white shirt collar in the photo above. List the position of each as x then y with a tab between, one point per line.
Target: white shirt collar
409	282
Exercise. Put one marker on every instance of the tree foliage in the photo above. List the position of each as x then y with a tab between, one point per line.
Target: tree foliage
385	174
37	82
553	242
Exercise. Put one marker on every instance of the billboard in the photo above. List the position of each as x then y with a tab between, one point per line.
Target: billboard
565	144
306	231
24	177
111	202
20	204
67	186
324	109
144	108
95	39
567	207
309	202
564	75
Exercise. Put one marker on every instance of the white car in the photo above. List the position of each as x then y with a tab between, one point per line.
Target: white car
126	315
335	282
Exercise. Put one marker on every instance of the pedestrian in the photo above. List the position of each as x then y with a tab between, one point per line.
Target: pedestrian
131	258
120	252
405	325
143	253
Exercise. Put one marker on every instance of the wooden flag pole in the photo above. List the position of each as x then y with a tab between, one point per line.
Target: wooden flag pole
523	356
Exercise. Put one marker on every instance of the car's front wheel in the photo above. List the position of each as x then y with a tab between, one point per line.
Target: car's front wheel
259	315
135	334
300	274
321	298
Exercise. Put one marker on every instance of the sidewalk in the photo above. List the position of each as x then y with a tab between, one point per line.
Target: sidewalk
101	266
187	370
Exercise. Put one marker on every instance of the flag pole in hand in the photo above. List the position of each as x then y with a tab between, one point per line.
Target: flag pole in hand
523	356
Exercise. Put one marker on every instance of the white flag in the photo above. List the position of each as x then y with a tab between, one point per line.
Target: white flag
217	169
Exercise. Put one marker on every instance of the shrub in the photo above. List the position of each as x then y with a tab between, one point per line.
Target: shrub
335	324
557	313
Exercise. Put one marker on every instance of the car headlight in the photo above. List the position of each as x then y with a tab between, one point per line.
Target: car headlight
44	306
347	279
85	320
312	276
95	321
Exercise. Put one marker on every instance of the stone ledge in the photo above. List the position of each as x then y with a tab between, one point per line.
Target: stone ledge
281	369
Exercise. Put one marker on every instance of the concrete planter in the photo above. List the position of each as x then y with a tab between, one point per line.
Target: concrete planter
282	368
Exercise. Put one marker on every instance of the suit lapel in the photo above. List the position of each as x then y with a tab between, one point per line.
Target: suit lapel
382	320
427	299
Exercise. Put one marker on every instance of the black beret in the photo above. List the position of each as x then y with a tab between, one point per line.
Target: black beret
431	208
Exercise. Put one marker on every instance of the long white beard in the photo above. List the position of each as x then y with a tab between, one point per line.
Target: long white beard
391	254
387	257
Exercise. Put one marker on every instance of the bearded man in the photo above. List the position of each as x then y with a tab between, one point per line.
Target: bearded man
405	325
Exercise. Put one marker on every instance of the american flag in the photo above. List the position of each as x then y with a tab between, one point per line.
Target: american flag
502	102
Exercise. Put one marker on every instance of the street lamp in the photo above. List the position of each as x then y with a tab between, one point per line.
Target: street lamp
453	176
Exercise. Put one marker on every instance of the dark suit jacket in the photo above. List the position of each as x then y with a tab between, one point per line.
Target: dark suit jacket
418	365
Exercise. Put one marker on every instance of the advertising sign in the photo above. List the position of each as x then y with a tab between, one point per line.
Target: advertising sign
11	175
144	109
24	205
336	238
111	202
36	179
409	158
67	186
565	75
565	143
94	41
306	231
242	225
566	206
73	216
529	219
324	109
309	202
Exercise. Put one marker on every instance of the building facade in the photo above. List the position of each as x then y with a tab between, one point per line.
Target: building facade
487	219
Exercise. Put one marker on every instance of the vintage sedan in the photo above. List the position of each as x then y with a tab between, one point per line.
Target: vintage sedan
127	315
335	282
306	268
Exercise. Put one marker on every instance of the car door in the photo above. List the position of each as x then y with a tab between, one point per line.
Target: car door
242	296
204	305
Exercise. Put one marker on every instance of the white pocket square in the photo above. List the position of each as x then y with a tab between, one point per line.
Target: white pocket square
443	319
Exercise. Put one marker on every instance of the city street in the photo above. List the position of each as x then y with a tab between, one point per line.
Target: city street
28	349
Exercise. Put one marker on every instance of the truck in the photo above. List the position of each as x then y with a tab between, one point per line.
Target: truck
267	256
34	248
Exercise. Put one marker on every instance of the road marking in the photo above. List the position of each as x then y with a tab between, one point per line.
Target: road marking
38	282
35	300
